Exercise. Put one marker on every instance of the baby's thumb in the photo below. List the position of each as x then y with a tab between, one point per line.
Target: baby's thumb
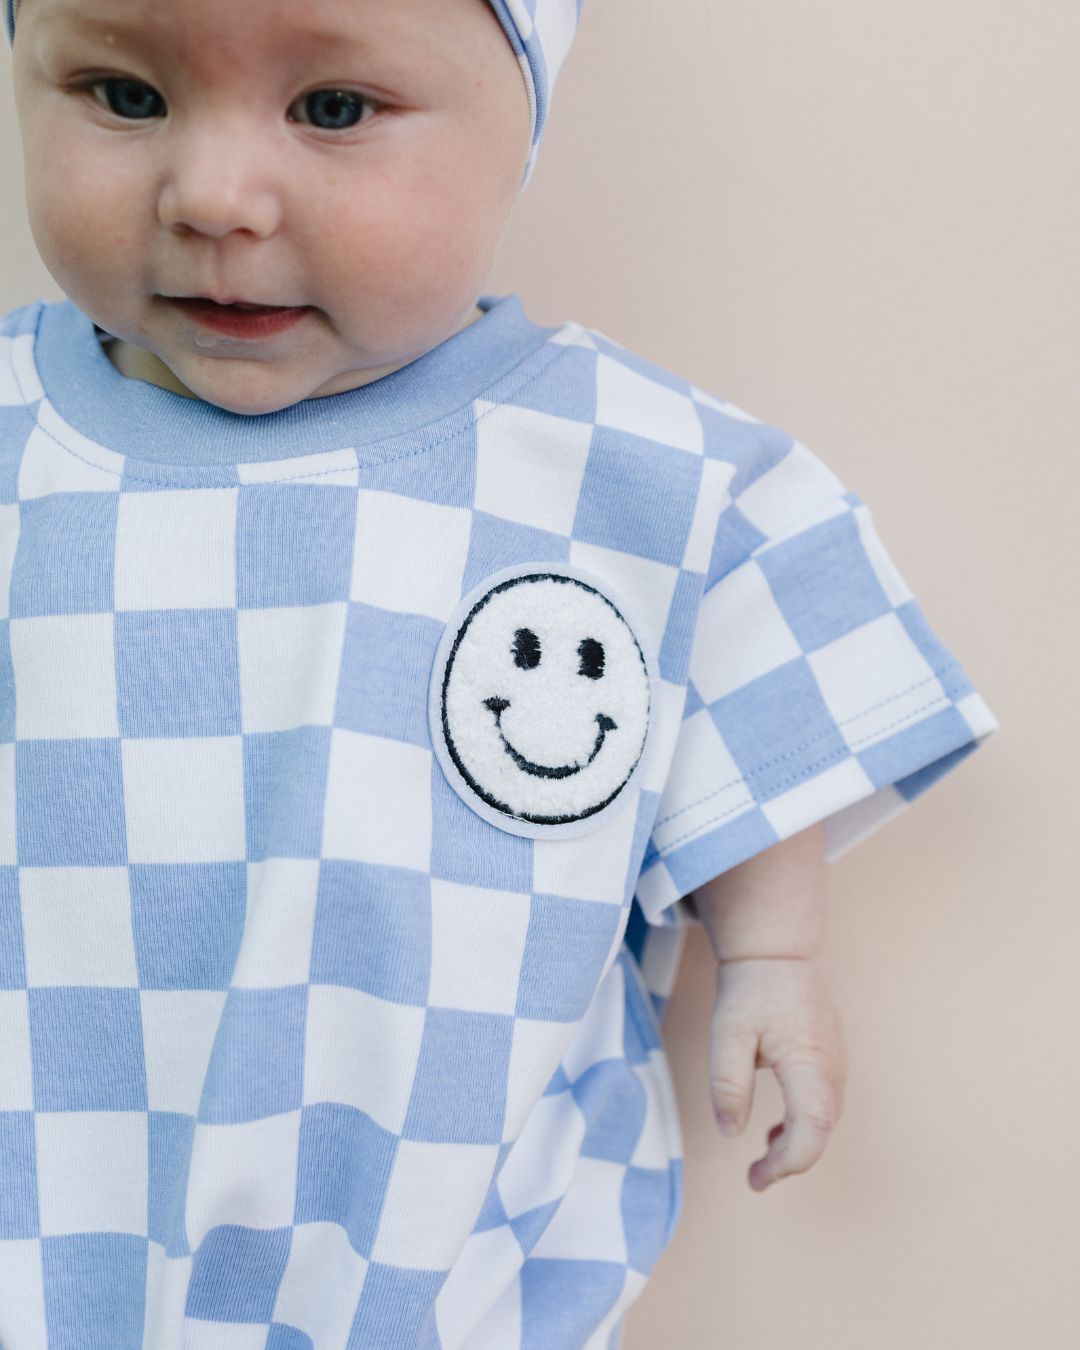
732	1058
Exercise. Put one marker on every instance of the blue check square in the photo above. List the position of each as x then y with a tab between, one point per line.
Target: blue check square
187	921
628	468
284	818
12	955
846	592
88	1279
612	1100
236	1272
385	668
566	944
65	559
177	673
467	849
169	1136
395	1307
87	1049
373	930
257	1065
18	1176
495	543
459	1091
788	702
69	802
343	1171
293	544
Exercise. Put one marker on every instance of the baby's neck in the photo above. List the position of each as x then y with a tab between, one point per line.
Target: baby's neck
137	363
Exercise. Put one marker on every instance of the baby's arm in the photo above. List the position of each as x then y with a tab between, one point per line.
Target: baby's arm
765	920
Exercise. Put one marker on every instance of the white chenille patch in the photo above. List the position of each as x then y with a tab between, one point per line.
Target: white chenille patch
540	700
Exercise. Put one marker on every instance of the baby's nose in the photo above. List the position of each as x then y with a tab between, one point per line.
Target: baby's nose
217	183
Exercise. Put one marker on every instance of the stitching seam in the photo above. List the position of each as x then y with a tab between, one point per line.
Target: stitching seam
814	740
843	753
471	421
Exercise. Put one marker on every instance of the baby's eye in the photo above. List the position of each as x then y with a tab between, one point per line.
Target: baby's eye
127	98
334	109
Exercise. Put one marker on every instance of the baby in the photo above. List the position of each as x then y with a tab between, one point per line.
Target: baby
386	683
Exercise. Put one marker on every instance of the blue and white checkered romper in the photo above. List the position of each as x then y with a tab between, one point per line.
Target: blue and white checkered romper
298	1046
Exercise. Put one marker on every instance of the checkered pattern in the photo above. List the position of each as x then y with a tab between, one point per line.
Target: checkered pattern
297	1050
540	33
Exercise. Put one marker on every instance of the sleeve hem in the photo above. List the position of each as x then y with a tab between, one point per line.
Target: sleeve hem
731	825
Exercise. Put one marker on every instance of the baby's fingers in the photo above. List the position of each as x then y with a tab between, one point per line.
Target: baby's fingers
733	1059
812	1112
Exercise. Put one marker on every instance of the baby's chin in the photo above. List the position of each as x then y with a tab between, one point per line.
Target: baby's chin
250	388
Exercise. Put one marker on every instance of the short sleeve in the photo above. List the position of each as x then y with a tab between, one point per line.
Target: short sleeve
817	689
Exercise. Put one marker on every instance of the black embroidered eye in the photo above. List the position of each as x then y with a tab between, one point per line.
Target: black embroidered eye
592	658
526	649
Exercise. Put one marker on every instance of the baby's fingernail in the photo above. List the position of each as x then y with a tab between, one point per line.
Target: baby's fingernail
727	1123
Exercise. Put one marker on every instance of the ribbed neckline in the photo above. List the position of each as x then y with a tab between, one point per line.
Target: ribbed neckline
144	422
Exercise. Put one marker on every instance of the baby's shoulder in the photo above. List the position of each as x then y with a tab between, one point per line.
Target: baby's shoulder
20	321
636	402
655	435
19	385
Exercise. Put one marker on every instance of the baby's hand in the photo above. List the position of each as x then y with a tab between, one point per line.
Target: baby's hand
775	1013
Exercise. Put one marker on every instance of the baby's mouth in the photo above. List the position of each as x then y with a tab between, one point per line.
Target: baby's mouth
499	705
239	318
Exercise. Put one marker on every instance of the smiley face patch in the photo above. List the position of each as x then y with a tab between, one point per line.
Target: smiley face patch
540	700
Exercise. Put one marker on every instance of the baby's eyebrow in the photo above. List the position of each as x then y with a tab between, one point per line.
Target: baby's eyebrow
69	18
146	29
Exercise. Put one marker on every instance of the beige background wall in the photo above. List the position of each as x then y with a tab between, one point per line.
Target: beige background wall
860	221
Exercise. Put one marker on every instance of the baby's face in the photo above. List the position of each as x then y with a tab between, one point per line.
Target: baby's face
356	157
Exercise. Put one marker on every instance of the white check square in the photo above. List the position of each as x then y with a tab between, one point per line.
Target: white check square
741	634
634	403
713	496
540	1164
378	801
289	661
784	496
184	799
876	681
276	951
92	1171
588	1225
409	555
459	1174
77	926
178	1029
361	1051
320	1257
176	549
705	787
477	941
65	676
16	1080
64	463
530	465
243	1174
650	584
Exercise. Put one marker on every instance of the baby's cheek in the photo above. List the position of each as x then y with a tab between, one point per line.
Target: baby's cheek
81	208
406	267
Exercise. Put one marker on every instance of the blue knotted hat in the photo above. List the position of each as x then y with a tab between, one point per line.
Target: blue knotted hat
540	33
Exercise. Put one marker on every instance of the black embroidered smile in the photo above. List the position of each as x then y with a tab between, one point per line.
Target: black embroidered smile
499	705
